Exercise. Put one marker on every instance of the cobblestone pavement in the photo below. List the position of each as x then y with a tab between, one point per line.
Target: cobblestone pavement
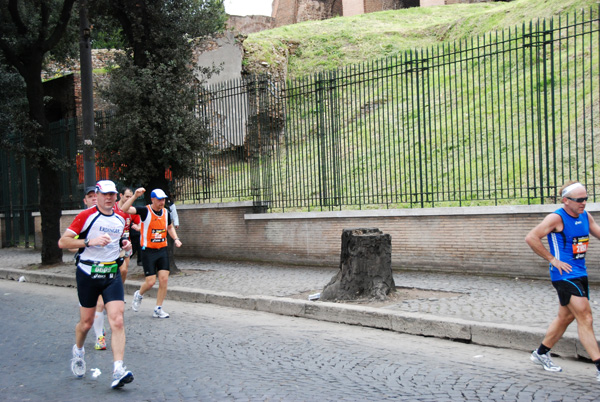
516	301
206	352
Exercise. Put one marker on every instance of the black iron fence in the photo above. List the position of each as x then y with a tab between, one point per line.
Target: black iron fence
19	193
501	119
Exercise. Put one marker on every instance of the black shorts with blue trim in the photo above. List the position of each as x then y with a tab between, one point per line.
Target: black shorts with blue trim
571	287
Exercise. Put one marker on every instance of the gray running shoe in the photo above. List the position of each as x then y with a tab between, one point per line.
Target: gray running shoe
77	363
598	375
545	361
137	300
160	313
121	378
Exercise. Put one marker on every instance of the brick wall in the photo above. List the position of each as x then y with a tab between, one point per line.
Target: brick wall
373	6
250	23
313	10
352	7
473	240
429	3
284	12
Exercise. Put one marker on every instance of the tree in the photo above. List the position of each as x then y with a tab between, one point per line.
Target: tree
156	128
29	31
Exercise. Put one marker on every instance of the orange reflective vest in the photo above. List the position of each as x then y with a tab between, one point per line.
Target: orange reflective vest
154	230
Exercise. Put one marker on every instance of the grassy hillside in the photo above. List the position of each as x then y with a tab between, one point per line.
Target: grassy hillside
309	47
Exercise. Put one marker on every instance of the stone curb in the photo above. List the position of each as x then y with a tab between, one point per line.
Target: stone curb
517	337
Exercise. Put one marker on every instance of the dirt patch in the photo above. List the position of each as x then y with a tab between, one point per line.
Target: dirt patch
401	294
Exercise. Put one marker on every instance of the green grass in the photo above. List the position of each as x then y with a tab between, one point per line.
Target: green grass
335	43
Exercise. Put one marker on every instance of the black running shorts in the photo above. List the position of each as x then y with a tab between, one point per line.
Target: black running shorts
155	260
571	287
90	287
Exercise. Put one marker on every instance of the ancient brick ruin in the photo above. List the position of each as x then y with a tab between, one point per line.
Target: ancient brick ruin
287	12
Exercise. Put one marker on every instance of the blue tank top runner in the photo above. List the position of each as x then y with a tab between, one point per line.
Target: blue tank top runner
570	245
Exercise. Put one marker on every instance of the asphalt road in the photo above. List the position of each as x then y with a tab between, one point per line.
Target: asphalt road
211	353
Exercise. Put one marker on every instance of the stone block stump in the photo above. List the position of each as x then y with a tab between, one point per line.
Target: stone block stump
365	267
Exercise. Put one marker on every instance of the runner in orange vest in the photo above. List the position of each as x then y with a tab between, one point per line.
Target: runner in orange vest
156	223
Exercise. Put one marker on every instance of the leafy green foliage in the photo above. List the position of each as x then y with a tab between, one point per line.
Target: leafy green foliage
14	119
156	127
30	33
106	33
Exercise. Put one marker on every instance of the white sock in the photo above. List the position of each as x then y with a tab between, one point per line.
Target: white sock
157	307
118	365
99	324
80	352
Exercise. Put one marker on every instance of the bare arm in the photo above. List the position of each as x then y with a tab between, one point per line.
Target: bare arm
68	240
127	206
594	227
552	222
173	234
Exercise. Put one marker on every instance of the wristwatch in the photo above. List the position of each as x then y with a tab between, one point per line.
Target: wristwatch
86	242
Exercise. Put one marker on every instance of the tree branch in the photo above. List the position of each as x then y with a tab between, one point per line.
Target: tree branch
16	17
61	25
44	17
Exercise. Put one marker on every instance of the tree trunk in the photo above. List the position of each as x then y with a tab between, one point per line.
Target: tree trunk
365	267
50	211
50	207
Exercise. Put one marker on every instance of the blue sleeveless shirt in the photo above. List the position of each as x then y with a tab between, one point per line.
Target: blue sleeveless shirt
570	245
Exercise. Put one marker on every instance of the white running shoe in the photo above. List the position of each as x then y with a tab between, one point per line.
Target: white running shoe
544	361
77	362
160	313
137	300
121	378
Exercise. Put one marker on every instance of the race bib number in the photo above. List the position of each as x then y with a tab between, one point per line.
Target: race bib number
580	245
105	268
158	236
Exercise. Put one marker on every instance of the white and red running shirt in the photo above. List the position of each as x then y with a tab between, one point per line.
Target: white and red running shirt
91	223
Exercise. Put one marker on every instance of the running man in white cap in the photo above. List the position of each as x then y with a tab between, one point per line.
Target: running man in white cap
568	230
156	223
99	234
89	201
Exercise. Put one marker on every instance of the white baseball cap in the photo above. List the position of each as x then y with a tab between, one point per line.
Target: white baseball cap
158	193
106	186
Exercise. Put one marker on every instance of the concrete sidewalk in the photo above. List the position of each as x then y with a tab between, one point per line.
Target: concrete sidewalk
500	312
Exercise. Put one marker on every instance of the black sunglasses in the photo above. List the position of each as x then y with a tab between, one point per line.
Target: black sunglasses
577	199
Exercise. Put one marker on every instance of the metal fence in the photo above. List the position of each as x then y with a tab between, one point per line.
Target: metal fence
19	193
19	198
500	119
